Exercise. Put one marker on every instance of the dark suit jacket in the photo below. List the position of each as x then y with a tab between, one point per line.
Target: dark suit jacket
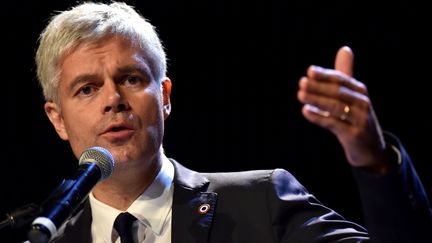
254	206
395	206
272	206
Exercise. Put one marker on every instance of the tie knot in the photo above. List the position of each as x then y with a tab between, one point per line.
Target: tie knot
123	226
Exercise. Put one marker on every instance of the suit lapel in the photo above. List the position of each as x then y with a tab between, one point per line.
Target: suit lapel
193	208
78	228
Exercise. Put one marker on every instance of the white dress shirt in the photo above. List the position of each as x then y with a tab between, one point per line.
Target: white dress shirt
152	209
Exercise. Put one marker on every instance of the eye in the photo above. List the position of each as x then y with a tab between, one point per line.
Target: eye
86	90
132	80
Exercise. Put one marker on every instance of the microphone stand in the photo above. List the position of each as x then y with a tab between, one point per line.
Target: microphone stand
26	214
20	217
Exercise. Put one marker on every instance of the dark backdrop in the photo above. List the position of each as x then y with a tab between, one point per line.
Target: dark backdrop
235	66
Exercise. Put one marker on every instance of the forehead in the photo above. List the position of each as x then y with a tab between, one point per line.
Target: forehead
103	54
98	58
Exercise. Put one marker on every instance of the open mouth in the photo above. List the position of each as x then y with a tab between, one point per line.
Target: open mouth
118	129
118	133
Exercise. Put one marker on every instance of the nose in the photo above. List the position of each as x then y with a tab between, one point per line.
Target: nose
115	100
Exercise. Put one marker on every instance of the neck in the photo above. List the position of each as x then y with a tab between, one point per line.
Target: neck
121	189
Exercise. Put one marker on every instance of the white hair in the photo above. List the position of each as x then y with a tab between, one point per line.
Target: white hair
89	23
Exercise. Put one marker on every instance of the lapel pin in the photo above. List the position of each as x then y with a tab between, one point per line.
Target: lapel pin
204	208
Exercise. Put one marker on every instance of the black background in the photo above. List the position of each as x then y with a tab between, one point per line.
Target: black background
235	67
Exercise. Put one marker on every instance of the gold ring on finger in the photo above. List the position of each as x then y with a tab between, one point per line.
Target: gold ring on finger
345	114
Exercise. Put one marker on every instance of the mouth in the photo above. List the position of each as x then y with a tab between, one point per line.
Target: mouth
118	132
118	129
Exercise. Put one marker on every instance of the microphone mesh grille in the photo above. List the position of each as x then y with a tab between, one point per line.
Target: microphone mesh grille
101	157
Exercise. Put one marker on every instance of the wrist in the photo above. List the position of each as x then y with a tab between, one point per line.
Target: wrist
391	158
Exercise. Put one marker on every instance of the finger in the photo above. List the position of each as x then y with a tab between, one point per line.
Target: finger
316	110
344	61
331	90
333	106
357	111
314	115
334	76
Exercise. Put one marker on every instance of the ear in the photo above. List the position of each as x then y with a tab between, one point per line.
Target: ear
53	112
166	93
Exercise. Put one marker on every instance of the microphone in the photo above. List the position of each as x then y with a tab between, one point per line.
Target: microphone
95	164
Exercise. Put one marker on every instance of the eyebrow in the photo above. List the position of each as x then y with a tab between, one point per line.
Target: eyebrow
82	78
143	69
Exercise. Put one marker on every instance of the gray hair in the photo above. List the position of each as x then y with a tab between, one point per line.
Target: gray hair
89	23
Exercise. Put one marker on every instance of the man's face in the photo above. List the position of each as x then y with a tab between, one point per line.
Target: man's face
109	98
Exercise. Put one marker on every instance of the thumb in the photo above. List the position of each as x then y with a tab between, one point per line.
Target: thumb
344	61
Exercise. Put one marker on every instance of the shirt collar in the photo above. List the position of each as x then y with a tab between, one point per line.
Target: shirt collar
151	208
154	205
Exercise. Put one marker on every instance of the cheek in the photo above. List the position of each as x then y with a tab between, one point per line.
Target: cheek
151	116
151	105
79	126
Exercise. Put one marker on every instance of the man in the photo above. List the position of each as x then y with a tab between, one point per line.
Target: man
103	73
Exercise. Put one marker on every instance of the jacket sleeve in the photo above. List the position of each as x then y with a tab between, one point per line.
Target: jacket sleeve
298	216
395	205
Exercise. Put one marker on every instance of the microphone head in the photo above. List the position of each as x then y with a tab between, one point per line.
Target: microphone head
101	157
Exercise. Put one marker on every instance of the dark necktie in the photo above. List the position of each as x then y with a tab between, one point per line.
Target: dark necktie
123	226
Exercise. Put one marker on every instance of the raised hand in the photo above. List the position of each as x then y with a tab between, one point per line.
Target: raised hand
334	100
